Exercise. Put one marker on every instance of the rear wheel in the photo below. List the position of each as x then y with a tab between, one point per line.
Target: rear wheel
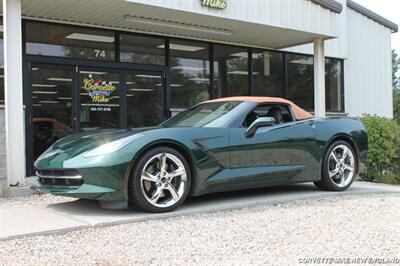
160	180
338	168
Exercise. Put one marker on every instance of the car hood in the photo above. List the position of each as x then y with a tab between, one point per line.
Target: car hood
79	143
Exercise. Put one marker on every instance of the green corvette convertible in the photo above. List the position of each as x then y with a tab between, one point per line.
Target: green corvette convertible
219	145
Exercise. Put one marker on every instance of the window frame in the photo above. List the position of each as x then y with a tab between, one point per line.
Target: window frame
289	108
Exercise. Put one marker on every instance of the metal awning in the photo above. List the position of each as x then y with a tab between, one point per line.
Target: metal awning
269	24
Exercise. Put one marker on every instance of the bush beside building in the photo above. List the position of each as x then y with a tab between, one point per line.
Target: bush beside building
383	162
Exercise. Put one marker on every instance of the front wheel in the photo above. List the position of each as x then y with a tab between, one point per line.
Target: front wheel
338	168
160	180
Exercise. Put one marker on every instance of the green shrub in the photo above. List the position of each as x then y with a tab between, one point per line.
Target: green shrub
383	161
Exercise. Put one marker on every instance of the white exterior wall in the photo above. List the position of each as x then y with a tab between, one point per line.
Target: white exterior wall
368	69
335	47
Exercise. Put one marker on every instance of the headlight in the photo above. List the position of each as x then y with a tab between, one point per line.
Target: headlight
48	153
112	146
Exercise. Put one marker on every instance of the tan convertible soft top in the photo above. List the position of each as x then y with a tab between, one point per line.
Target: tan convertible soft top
298	112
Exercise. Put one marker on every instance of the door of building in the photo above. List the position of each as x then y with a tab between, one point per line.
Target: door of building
51	112
62	100
99	99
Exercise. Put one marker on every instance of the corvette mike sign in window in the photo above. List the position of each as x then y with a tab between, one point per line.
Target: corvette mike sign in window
99	100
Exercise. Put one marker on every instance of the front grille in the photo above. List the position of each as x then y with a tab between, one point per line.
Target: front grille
60	177
65	182
58	172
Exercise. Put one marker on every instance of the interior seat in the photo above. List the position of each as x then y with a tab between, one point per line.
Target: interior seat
250	119
276	113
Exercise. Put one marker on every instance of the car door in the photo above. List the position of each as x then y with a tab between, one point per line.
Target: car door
275	154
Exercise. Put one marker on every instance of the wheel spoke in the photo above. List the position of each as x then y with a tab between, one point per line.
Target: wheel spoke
344	154
349	167
163	162
149	177
156	195
333	173
178	172
173	191
334	156
342	178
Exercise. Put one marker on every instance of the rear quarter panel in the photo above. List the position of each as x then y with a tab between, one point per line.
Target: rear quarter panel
350	129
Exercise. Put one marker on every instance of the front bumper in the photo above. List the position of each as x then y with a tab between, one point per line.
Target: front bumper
105	183
84	191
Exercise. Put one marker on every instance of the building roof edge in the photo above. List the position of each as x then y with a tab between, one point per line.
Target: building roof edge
372	15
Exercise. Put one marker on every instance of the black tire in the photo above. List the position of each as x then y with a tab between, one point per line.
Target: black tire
136	195
326	183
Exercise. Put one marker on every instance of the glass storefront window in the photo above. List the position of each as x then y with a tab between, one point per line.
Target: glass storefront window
69	41
333	85
1	85
190	74
144	99
231	77
300	80
51	105
1	66
99	100
267	73
142	50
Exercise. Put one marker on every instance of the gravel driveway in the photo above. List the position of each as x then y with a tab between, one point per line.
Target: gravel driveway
283	234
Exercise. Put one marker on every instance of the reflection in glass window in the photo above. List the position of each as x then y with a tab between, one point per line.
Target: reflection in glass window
190	74
300	80
267	73
51	106
69	41
230	71
333	85
1	66
1	85
142	50
204	115
144	100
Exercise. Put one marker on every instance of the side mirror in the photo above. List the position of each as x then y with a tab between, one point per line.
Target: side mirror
259	122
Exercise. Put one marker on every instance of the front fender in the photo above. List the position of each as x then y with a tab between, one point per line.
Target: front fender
172	143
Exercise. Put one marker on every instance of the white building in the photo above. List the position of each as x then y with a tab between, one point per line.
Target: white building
141	61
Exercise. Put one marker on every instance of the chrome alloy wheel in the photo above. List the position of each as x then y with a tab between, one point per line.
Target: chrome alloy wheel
163	180
341	165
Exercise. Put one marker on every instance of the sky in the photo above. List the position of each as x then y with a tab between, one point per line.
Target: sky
389	9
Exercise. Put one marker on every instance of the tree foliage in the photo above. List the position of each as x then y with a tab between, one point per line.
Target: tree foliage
396	85
395	70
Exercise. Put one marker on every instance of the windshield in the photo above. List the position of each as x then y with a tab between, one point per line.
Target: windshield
201	115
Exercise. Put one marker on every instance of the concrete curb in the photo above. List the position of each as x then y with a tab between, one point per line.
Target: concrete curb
13	192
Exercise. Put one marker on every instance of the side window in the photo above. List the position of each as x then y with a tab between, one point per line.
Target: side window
280	112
